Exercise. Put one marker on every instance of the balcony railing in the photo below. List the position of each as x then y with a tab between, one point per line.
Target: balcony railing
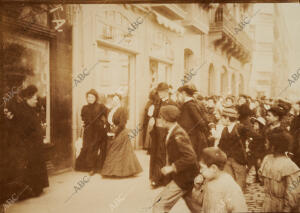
222	21
172	11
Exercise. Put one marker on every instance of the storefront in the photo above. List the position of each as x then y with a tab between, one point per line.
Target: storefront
42	33
130	49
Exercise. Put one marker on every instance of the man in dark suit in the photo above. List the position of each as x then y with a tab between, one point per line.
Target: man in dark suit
182	166
192	119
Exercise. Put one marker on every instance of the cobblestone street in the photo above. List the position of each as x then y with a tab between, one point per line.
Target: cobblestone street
254	193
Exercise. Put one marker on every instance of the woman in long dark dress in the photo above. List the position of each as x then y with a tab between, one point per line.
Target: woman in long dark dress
121	160
94	136
30	166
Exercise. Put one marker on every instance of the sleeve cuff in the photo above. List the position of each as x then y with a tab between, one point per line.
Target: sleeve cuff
174	167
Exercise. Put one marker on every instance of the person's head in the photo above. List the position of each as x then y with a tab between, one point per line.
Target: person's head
168	116
212	162
279	142
242	100
229	115
274	114
229	101
29	94
184	92
211	102
258	123
296	107
163	90
92	96
244	111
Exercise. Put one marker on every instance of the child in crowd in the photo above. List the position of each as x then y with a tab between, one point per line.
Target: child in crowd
219	192
280	176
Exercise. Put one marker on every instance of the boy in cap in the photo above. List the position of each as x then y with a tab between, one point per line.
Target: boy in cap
182	166
220	193
232	144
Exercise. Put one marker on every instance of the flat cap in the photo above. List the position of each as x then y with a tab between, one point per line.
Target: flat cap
169	113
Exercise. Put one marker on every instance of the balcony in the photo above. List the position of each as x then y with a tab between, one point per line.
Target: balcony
222	26
197	19
171	11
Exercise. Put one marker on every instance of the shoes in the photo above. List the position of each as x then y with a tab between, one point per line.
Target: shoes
91	173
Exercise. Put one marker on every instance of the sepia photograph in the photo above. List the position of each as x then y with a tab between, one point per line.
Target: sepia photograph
149	106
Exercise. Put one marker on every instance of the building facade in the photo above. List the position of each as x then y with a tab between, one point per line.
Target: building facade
131	58
229	49
44	33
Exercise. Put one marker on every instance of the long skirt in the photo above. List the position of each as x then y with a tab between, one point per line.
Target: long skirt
121	160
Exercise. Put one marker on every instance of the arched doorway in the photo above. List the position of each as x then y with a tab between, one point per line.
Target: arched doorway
241	85
211	80
224	82
188	56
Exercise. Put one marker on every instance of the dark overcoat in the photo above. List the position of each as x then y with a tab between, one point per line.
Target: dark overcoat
180	152
193	123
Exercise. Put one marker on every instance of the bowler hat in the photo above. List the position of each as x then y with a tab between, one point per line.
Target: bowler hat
162	86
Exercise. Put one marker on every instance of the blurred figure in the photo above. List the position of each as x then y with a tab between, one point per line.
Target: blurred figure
147	126
181	167
257	144
231	143
274	116
220	192
191	119
120	160
295	132
280	176
158	134
93	116
30	166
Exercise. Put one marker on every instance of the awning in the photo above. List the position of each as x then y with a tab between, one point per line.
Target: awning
169	24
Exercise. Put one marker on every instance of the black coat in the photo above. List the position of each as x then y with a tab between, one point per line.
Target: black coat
295	132
180	153
94	135
191	120
232	143
30	140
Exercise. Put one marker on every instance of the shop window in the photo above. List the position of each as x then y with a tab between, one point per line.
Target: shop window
38	57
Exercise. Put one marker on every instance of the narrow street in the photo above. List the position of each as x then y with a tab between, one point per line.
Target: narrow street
129	195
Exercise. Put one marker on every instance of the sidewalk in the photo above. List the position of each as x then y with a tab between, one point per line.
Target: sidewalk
96	194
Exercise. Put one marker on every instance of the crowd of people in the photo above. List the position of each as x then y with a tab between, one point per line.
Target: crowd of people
202	148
